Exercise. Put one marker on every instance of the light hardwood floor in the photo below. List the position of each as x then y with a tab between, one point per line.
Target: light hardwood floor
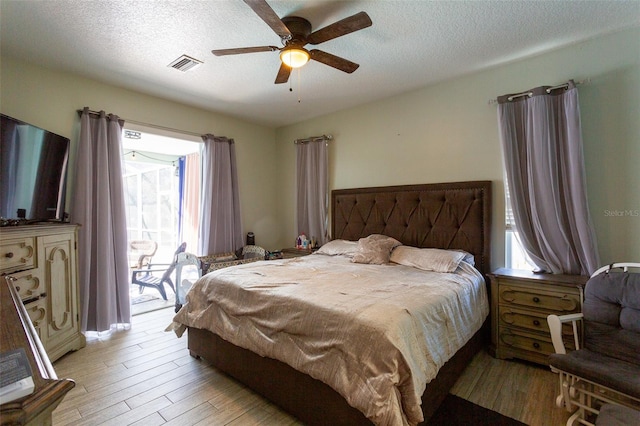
145	376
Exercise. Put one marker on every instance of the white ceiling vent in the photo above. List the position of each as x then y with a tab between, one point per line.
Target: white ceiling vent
184	63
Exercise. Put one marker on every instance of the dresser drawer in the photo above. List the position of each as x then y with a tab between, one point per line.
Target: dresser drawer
17	254
37	312
29	285
550	301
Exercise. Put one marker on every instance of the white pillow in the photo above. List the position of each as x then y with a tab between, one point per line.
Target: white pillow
338	247
375	249
429	259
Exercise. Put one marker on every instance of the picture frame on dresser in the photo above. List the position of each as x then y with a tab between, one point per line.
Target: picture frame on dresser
520	303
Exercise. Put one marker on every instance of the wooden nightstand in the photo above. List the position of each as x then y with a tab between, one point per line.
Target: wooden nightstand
291	252
520	303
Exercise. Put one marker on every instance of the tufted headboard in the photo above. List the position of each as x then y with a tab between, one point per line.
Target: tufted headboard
442	215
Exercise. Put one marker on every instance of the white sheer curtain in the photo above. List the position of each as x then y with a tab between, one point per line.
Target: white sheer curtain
542	144
98	206
220	220
313	189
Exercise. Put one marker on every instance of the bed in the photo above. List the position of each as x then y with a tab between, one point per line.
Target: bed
452	216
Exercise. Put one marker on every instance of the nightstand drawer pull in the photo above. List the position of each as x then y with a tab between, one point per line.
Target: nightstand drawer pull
536	345
536	323
8	255
536	299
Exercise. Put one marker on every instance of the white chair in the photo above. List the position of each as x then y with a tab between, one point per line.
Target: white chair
188	270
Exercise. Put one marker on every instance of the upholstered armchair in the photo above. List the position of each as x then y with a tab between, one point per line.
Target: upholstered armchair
216	261
605	367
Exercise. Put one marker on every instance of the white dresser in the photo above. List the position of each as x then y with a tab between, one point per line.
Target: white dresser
41	260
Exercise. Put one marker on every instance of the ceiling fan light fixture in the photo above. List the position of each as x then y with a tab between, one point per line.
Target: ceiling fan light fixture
294	57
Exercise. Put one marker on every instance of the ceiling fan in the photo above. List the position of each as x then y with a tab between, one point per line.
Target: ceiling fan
295	33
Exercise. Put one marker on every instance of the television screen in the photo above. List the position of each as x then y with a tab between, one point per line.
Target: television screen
33	168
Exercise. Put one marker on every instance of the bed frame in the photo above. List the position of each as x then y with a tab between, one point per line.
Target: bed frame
446	215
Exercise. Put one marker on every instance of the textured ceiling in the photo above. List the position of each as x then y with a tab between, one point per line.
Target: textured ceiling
411	44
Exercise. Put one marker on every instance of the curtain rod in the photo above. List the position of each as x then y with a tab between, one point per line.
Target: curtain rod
313	139
530	93
154	126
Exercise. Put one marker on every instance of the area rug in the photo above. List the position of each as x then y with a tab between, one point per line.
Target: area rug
455	411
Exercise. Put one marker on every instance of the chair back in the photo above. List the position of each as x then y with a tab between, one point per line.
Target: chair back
141	252
612	315
184	283
251	251
167	274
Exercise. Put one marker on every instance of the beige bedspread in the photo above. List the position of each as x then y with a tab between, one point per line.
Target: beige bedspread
377	334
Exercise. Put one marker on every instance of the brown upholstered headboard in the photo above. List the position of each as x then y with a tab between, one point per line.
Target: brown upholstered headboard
443	215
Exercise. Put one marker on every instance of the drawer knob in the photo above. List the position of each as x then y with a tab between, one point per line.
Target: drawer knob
536	345
8	255
536	299
536	323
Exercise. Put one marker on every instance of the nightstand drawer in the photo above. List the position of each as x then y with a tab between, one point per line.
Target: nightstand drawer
289	253
510	317
530	320
536	343
539	299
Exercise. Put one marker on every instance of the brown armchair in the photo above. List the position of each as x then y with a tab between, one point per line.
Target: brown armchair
250	253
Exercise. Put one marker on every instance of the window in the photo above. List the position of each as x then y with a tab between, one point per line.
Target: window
515	256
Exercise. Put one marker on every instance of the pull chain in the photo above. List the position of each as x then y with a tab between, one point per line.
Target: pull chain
299	86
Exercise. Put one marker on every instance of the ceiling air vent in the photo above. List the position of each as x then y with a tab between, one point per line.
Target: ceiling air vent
184	63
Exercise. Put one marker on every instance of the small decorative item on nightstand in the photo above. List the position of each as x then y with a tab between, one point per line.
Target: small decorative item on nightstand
520	303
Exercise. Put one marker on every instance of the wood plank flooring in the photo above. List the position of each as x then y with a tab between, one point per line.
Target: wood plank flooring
145	376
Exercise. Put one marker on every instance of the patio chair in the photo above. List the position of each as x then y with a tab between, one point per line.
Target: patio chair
144	277
141	252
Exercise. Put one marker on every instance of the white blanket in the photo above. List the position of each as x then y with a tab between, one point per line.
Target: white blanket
377	334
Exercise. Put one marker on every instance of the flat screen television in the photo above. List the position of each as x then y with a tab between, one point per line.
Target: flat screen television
33	170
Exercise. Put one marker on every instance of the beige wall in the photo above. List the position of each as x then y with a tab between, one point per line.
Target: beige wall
448	132
445	132
49	99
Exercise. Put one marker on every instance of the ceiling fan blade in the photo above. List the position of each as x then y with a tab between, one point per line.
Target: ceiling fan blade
240	50
283	74
333	61
264	11
344	26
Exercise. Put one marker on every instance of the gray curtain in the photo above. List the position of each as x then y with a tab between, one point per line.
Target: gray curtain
312	195
542	144
98	206
220	225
